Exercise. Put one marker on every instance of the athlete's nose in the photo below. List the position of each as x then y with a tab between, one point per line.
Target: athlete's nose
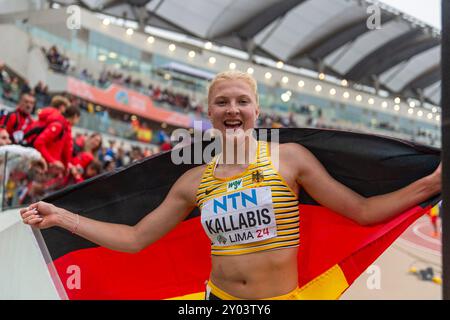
233	110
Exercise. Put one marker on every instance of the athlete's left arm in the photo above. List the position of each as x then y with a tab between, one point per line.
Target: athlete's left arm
312	176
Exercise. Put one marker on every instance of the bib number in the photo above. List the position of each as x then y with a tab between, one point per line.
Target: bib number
238	218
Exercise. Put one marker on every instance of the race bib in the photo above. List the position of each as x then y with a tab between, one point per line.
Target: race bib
241	217
18	136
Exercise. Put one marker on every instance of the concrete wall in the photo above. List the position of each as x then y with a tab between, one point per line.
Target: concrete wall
24	273
9	6
14	48
37	67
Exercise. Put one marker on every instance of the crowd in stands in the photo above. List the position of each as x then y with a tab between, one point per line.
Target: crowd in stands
57	61
59	158
181	102
160	95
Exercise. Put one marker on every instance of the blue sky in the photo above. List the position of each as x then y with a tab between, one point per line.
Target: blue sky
428	11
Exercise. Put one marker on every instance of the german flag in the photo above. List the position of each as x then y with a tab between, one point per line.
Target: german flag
333	250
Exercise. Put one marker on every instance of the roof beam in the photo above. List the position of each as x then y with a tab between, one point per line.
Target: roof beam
393	52
424	80
251	26
112	3
336	38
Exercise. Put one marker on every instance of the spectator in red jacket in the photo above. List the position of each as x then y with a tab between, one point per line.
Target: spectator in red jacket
58	106
17	123
90	150
55	141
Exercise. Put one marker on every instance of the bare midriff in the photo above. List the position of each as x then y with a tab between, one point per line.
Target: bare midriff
256	275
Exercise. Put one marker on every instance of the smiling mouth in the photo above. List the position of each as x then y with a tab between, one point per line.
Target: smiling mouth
233	124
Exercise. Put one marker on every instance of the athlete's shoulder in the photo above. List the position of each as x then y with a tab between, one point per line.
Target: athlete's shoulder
289	149
192	177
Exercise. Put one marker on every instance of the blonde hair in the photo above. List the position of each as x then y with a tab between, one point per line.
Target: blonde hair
59	100
234	75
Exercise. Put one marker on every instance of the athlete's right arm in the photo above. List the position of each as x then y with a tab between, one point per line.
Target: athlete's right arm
178	203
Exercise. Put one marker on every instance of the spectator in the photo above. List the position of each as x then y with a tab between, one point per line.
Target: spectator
77	175
109	163
4	75
25	88
17	158
15	90
17	123
90	151
122	158
94	168
166	145
4	137
55	141
42	96
58	106
78	143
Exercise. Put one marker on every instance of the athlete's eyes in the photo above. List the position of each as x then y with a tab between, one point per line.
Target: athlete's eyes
221	102
244	101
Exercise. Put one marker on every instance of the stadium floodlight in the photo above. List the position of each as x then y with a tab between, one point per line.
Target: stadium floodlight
150	39
420	113
430	116
172	47
212	60
434	110
346	95
102	58
397	100
280	64
289	93
285	79
285	97
208	45
301	83
321	76
371	101
106	22
130	31
232	66
410	111
112	55
396	107
358	98
318	88
250	70
191	54
412	104
384	104
438	118
268	75
332	91
344	82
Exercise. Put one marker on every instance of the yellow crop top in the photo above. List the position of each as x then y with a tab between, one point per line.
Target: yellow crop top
250	212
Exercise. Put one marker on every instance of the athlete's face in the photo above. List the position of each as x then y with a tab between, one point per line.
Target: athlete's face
232	105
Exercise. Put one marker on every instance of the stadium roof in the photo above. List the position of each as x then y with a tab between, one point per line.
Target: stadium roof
330	36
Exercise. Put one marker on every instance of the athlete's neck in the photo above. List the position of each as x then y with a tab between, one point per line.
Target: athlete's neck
236	152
